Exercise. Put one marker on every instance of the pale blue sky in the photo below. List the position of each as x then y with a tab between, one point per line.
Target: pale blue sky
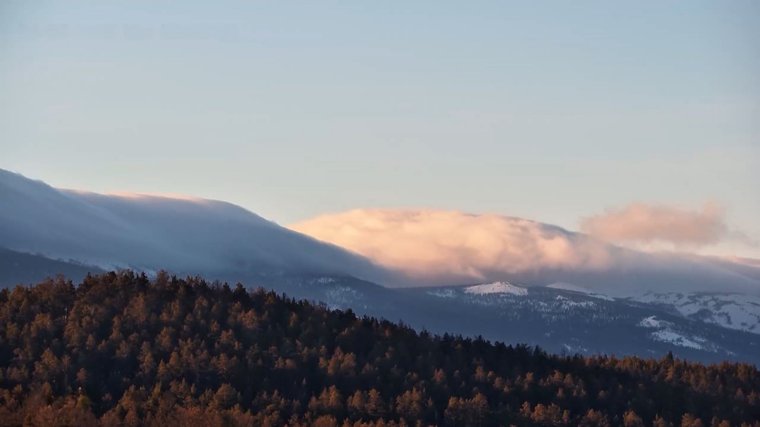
546	110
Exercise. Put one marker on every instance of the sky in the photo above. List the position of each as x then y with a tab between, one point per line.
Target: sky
561	112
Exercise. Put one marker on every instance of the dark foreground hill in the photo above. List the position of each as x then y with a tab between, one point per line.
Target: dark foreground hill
120	349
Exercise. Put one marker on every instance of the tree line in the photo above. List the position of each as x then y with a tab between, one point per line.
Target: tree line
120	349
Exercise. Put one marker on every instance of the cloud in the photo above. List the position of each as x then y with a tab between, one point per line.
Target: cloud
436	247
641	223
451	246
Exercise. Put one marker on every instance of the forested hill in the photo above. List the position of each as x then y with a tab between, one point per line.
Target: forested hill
120	349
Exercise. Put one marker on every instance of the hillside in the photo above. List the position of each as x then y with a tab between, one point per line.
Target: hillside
119	349
148	233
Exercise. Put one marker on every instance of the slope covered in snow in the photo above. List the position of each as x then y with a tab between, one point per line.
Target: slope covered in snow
734	311
496	288
668	332
566	320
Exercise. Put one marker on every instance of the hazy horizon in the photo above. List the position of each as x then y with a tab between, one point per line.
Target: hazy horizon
619	120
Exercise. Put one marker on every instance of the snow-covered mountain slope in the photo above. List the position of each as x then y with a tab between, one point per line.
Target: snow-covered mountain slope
558	320
496	288
734	311
185	235
563	320
667	332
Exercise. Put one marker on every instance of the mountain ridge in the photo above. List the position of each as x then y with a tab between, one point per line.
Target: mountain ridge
152	232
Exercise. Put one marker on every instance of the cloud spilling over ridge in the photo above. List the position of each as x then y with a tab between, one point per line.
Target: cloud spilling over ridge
452	246
412	247
644	223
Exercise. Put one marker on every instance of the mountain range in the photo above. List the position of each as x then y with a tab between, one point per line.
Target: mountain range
606	299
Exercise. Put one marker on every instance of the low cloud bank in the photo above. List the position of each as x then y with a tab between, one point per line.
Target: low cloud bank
641	223
452	246
433	247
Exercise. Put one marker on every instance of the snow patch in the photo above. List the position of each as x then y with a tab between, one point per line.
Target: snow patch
575	349
729	310
497	288
652	322
567	303
672	337
341	297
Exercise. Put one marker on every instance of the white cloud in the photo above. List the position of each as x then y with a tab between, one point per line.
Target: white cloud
450	247
641	223
453	246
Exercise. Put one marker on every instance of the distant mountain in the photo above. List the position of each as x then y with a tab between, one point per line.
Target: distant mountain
733	311
183	235
558	319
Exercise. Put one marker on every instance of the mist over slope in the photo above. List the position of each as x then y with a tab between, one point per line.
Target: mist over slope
390	247
152	232
450	247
